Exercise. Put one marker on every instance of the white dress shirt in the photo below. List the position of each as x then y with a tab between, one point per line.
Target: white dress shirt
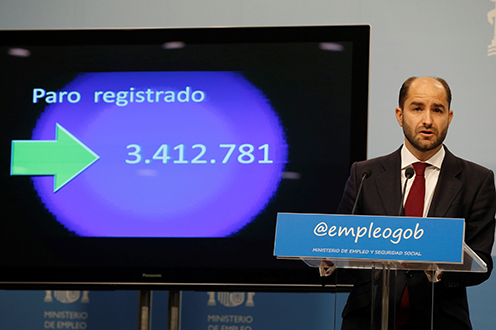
431	174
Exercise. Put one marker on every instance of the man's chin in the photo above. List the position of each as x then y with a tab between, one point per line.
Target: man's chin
424	147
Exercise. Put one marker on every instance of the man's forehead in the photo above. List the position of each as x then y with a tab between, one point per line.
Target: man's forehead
425	88
426	82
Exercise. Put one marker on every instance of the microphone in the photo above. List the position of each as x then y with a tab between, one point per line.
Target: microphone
327	267
408	174
365	174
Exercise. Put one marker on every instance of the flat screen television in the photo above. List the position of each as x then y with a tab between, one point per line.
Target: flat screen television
161	157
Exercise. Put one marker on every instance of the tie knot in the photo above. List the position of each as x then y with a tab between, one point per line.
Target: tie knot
419	168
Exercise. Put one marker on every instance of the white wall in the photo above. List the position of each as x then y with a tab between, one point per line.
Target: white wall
446	38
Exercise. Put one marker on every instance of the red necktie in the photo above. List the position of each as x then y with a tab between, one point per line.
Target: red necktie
414	207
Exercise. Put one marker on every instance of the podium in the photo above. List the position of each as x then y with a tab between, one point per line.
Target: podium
386	246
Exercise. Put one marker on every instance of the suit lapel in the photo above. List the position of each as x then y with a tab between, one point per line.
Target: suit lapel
389	183
447	188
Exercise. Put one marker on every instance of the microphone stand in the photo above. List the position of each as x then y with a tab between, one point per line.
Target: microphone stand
386	269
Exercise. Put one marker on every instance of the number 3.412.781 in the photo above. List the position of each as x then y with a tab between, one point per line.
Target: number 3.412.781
244	154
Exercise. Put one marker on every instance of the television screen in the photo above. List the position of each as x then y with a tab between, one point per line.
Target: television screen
161	157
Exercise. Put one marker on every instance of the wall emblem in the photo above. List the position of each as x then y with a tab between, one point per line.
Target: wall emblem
66	297
231	299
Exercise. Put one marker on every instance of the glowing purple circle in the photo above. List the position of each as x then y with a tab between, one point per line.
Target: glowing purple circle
226	146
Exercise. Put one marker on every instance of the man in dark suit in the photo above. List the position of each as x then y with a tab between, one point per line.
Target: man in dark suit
454	188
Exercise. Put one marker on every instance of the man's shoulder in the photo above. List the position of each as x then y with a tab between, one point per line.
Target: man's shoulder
381	161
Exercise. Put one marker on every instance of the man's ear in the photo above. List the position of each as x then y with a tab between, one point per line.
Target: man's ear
399	116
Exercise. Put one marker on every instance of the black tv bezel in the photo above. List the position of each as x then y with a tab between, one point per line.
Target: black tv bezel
286	278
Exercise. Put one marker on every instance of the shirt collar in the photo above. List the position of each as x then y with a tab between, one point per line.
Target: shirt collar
407	158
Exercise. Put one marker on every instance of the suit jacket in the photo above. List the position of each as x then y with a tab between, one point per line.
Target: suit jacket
464	190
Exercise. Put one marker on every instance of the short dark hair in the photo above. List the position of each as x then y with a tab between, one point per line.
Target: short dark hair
406	87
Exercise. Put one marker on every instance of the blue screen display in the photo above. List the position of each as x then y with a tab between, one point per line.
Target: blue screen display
177	154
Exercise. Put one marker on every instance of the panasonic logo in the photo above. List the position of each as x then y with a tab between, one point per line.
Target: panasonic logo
152	275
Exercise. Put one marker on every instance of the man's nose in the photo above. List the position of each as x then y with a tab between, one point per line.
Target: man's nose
427	118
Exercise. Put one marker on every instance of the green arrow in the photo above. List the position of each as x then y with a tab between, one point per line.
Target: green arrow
65	158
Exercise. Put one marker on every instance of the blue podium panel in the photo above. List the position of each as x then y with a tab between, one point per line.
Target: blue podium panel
351	237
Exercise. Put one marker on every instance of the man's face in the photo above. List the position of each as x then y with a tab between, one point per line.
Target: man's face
425	117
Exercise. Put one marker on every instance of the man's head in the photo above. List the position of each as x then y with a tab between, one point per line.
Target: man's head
425	115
